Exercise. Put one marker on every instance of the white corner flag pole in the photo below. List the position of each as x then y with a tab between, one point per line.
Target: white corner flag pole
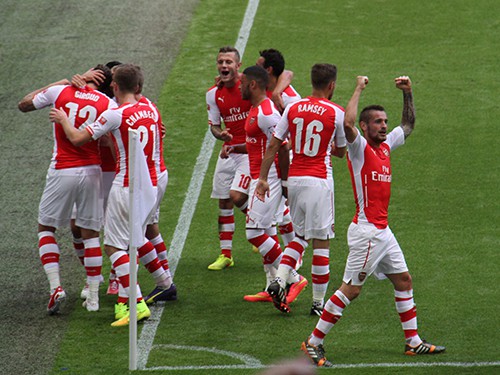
142	201
132	149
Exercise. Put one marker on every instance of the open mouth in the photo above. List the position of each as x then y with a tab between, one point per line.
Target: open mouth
224	73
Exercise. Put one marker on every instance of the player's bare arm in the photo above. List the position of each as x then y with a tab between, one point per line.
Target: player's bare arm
222	135
284	164
74	135
233	149
351	132
26	104
408	118
284	160
284	80
338	152
262	188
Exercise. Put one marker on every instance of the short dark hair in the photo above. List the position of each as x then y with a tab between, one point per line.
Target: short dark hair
273	58
366	113
129	78
104	86
258	74
229	49
112	64
322	75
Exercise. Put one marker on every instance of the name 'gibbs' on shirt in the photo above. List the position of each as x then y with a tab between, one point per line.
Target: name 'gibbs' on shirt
140	115
313	108
86	96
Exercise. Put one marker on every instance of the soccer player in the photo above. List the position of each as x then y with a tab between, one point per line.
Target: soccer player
372	245
156	261
273	62
73	179
314	126
131	113
262	215
231	177
108	168
280	91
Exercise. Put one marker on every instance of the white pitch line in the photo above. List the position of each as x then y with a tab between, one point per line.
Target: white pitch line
339	366
148	332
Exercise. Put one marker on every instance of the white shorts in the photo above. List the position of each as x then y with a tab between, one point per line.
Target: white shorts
312	207
65	188
116	226
232	173
107	181
281	209
372	250
162	187
263	215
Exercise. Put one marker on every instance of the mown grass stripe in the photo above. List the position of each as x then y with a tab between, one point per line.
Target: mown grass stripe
148	332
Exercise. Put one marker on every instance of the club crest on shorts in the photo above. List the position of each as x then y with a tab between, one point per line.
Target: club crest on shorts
361	276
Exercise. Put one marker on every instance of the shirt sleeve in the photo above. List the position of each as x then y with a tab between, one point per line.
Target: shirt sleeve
340	139
281	131
47	97
109	120
395	138
267	123
356	148
289	96
212	109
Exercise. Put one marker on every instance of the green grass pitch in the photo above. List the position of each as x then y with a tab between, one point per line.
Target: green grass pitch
444	208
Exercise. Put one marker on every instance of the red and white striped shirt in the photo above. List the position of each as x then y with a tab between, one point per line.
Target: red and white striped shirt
226	103
141	117
83	106
312	125
259	129
371	177
162	165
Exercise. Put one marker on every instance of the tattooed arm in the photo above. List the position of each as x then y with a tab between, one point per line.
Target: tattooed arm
408	118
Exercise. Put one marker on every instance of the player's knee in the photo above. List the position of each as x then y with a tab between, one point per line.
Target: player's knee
238	198
350	291
225	204
404	282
